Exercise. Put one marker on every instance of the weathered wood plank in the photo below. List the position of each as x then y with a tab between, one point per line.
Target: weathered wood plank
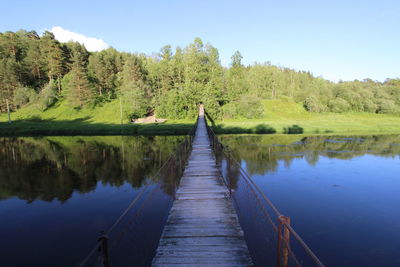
202	227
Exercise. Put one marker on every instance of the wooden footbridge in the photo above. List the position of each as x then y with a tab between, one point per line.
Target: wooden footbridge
202	228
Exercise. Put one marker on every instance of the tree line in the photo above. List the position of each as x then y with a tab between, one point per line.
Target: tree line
40	71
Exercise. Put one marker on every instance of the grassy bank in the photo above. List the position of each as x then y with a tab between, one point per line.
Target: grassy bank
281	116
63	119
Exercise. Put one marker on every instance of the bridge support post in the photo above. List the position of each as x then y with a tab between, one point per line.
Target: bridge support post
103	248
282	259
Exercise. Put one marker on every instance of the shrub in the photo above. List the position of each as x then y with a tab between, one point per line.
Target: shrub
250	107
369	105
134	100
48	95
229	111
313	104
24	95
294	129
339	105
212	108
264	129
386	106
172	105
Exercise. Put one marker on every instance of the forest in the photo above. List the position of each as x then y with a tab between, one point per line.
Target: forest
39	71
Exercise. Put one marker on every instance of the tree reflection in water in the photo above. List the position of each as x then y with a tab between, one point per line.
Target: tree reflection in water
50	168
262	153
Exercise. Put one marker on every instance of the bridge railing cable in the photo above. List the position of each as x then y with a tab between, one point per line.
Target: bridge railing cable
134	235
269	234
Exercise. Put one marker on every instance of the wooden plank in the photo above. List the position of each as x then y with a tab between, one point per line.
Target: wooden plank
202	227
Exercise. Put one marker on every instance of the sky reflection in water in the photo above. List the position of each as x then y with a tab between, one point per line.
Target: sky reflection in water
58	193
342	193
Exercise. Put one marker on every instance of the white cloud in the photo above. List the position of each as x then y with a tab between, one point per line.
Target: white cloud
91	44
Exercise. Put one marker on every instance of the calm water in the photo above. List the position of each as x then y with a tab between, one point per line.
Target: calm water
341	193
58	193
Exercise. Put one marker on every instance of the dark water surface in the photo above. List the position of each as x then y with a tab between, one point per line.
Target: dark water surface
58	193
341	193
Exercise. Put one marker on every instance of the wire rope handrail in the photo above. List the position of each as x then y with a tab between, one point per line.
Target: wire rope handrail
284	222
102	244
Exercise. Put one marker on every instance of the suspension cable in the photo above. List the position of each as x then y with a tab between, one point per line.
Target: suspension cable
141	192
253	186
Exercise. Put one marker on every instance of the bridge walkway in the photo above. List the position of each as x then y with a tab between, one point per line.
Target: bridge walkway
202	227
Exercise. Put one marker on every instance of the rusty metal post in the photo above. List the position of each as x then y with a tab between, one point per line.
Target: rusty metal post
282	259
103	248
286	239
279	244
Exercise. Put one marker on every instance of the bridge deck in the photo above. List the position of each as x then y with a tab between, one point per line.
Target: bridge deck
202	228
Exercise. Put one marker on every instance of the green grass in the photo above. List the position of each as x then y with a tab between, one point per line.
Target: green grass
280	115
63	119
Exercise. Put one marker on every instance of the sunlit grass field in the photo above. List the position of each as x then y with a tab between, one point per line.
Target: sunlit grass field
278	117
280	114
63	119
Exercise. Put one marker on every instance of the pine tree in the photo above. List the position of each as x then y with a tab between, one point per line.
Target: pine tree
134	89
54	57
80	91
103	67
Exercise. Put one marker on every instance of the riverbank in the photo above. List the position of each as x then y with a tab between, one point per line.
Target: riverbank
281	117
72	128
330	123
63	119
288	117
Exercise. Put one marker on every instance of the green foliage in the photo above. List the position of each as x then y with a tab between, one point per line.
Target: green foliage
48	95
386	106
174	106
134	100
339	105
264	129
369	105
103	68
250	107
172	83
23	95
229	110
313	104
134	90
294	129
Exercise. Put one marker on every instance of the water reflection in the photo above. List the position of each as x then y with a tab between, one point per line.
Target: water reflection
52	168
262	153
341	193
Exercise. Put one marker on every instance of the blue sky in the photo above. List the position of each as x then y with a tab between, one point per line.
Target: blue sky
335	39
